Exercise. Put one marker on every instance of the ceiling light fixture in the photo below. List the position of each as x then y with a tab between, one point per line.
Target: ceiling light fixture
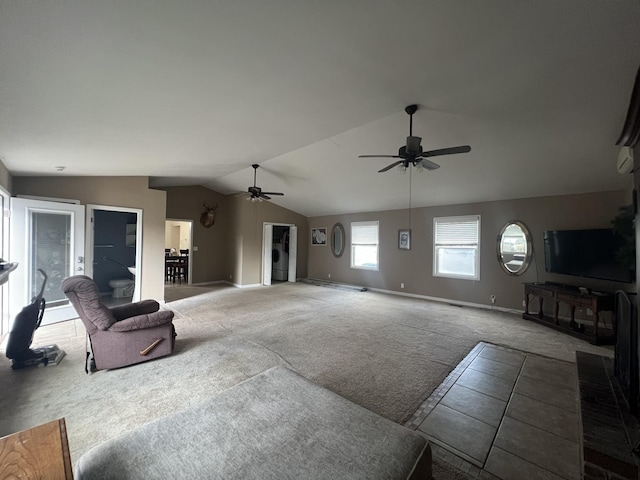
255	192
411	154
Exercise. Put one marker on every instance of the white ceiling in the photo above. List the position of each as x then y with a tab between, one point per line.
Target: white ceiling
194	92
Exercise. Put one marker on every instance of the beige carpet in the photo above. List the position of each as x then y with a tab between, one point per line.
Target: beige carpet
386	353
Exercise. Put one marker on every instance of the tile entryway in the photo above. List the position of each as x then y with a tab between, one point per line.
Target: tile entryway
506	414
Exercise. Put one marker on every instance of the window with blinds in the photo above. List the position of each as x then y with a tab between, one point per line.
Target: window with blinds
456	247
364	245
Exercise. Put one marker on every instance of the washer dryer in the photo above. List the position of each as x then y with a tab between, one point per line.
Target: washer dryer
280	260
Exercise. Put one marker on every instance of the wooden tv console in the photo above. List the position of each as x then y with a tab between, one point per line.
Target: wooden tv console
557	294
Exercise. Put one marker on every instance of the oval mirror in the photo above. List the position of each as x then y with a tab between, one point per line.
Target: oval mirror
514	248
337	240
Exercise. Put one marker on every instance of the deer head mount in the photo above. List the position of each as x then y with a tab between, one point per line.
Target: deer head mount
208	217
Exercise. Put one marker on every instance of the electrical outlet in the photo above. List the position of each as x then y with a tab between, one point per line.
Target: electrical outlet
402	285
493	299
329	276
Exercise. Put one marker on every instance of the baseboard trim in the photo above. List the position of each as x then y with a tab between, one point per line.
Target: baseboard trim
226	282
458	303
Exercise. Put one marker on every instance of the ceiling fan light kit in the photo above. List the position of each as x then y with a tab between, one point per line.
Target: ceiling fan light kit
411	153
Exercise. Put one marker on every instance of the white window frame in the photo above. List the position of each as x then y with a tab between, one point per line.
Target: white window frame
377	244
461	244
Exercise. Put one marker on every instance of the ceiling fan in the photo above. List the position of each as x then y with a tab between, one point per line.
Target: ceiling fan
256	193
412	154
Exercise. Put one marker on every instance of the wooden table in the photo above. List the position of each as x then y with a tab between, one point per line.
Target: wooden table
41	452
596	302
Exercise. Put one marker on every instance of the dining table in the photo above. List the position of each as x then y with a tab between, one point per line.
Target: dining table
176	267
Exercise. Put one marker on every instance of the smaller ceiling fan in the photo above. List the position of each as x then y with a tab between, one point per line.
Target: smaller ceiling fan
412	154
256	193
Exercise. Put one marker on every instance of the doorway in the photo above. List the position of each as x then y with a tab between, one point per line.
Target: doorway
178	242
279	253
114	247
45	236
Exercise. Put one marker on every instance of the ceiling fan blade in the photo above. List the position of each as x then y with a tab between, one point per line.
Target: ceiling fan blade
429	165
272	193
266	197
447	151
389	167
379	156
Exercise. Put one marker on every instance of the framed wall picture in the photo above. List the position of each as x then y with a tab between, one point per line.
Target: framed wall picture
319	236
404	239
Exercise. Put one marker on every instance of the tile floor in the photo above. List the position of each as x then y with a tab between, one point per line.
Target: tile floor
506	414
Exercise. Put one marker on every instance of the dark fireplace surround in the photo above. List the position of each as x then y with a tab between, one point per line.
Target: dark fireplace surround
609	390
626	366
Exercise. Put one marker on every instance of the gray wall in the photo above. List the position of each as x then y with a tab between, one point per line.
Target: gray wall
414	267
235	241
5	178
131	192
231	250
246	238
211	262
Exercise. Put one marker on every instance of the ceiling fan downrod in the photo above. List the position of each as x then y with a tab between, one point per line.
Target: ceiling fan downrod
411	109
255	169
413	143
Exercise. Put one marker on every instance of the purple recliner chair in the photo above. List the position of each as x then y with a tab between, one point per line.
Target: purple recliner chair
122	335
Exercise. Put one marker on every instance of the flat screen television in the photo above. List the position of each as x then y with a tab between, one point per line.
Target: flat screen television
586	253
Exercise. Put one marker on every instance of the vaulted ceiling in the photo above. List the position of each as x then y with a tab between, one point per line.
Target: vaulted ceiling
194	92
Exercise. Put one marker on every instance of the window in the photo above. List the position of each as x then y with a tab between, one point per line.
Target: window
456	247
364	245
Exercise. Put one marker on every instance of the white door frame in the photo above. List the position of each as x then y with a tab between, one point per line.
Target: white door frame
19	240
267	247
89	241
5	319
190	262
267	258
